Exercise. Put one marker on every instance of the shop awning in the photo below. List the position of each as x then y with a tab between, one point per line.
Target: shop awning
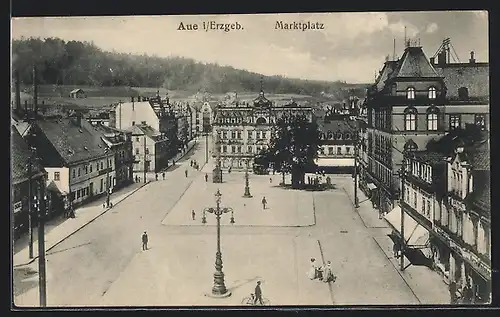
371	186
415	234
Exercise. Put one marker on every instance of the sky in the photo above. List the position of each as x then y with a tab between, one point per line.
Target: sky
351	46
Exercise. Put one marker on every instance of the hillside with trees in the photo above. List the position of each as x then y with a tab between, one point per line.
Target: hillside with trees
82	63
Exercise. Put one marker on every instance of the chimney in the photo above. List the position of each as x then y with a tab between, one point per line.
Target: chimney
472	60
18	91
433	60
442	58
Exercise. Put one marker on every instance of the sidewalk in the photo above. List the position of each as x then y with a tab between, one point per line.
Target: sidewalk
57	232
427	286
368	214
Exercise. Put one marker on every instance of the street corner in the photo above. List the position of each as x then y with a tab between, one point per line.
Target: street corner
284	208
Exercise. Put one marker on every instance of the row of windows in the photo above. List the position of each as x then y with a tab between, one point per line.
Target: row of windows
138	151
88	168
410	92
410	119
420	202
338	150
238	149
237	134
336	136
420	170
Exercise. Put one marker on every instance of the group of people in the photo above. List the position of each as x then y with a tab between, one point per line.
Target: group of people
322	273
194	164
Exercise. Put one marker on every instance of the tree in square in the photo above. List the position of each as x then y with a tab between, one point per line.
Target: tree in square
293	148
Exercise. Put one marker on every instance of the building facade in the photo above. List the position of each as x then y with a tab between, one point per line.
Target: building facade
243	129
78	162
120	142
413	101
446	205
338	137
151	149
21	155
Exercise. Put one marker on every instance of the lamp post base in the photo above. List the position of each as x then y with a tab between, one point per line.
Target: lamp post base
247	193
217	295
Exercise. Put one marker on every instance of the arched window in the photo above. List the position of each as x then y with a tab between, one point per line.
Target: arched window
330	135
463	93
410	93
432	118
347	136
261	121
410	146
338	135
432	92
410	118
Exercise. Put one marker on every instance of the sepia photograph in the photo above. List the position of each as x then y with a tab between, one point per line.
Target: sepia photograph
240	160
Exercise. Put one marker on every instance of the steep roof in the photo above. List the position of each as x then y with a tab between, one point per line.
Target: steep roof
72	141
145	130
261	100
414	63
388	68
20	153
334	126
474	77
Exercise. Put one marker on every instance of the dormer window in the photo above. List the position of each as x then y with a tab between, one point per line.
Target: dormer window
432	93
410	93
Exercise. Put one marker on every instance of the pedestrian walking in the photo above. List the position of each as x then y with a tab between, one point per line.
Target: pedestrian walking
136	179
193	215
258	294
144	241
186	173
72	212
264	202
270	179
156	176
163	174
312	270
206	177
191	163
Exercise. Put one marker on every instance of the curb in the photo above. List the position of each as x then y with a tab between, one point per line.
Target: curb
241	226
84	225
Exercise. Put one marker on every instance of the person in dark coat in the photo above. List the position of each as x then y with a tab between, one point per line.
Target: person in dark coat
258	294
206	177
144	241
264	202
163	174
186	173
156	176
193	214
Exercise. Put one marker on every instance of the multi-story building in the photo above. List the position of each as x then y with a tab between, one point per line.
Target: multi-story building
412	101
120	142
446	205
203	117
78	162
338	136
20	179
151	149
153	112
244	129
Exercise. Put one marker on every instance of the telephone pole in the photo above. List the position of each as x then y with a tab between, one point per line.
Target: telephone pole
403	240
42	211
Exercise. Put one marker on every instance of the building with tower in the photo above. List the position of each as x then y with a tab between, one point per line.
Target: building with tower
244	129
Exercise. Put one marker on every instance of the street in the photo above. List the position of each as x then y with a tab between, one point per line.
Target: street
103	263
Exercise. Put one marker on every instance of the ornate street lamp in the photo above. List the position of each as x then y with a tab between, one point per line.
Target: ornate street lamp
247	186
219	289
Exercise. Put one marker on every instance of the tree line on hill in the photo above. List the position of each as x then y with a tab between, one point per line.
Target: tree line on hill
62	62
